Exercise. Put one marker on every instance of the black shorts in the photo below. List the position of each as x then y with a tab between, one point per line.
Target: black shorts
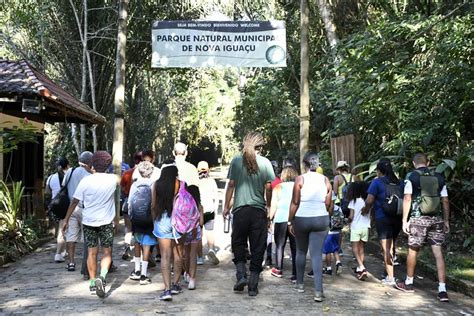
388	227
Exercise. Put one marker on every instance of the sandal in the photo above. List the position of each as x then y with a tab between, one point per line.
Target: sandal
71	267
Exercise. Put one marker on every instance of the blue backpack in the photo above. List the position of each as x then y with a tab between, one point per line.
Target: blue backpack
140	206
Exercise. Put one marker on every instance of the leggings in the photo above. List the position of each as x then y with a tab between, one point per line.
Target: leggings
310	232
281	235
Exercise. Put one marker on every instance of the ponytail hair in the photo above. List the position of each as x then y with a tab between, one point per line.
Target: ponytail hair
251	141
311	161
385	167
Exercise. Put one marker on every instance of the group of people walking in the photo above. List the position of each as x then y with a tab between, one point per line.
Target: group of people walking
169	208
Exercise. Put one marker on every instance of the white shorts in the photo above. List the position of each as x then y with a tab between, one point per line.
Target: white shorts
74	231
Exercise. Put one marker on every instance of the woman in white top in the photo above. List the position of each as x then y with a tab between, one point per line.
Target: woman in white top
280	207
309	221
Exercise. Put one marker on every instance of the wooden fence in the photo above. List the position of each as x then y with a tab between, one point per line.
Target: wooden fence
343	148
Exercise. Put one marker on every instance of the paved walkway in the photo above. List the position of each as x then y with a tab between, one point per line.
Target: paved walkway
37	285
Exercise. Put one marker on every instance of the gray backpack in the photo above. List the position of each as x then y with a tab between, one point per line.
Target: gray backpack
139	206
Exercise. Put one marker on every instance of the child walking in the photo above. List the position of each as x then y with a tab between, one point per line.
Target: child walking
331	244
360	224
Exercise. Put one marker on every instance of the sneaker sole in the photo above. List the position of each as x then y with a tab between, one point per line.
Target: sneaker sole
276	275
166	298
403	290
145	283
318	299
444	300
212	256
134	278
99	288
176	292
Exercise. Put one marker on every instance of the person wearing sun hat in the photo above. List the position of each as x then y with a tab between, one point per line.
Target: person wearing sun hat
342	178
97	192
210	202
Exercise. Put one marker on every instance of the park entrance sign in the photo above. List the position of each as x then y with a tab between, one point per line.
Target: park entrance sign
210	44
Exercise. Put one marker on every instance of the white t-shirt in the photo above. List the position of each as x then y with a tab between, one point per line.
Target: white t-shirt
409	189
96	192
78	174
187	172
359	221
54	184
208	192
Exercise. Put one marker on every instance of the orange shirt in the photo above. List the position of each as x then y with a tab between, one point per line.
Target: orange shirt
126	181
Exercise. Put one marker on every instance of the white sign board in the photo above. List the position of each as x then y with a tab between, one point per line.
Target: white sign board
210	44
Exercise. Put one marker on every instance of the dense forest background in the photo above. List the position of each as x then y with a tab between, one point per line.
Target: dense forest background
397	74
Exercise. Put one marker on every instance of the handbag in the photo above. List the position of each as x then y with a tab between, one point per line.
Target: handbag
60	203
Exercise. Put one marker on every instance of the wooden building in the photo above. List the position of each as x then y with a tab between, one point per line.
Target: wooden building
26	92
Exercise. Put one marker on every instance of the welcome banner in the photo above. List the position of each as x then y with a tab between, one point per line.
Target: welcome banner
211	43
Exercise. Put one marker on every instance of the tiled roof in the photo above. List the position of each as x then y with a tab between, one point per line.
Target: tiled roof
20	78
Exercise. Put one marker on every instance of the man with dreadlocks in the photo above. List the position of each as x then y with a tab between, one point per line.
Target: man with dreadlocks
250	176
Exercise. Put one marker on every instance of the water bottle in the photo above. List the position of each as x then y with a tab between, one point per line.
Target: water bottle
227	224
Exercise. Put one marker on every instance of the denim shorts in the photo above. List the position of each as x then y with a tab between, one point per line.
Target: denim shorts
145	239
163	228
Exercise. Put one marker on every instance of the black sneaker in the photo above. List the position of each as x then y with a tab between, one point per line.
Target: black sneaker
176	289
310	274
71	267
92	290
443	297
144	280
112	268
100	287
240	285
338	268
126	253
135	275
158	258
327	272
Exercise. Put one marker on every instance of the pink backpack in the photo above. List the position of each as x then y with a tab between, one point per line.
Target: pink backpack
185	216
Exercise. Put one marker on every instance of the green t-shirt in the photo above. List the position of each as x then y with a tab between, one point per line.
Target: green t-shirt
250	189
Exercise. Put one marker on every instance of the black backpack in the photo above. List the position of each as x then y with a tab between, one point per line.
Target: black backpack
59	205
139	206
393	202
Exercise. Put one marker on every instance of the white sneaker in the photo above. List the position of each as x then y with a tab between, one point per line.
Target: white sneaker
388	282
200	261
192	284
59	258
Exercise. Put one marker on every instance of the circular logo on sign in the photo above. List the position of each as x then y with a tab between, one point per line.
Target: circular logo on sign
275	54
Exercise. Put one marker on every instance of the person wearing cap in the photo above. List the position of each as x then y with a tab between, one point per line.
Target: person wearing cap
143	233
97	195
53	186
187	172
73	177
342	178
209	202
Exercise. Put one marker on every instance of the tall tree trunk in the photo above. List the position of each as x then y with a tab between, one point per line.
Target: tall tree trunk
329	27
84	72
119	102
75	142
304	82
